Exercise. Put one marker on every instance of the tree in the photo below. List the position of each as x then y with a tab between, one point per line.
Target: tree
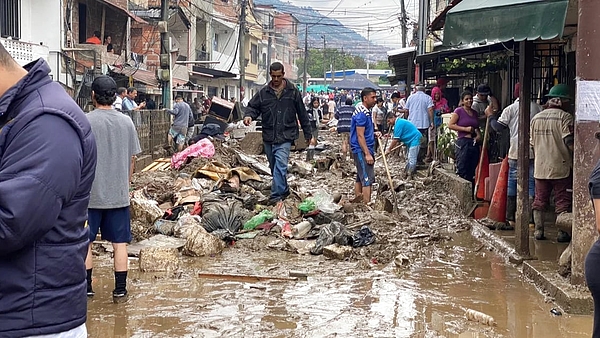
334	57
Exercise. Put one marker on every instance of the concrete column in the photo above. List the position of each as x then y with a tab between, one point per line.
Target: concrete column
587	149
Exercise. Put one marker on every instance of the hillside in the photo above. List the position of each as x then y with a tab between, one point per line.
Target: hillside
338	36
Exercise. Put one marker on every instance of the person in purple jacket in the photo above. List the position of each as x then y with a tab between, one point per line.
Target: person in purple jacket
465	121
47	166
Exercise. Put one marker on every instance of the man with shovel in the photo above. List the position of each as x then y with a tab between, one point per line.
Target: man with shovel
407	133
362	143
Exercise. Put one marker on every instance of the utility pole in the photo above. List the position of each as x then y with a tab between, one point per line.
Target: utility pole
305	81
269	46
402	19
422	36
242	47
324	68
333	68
165	55
368	46
343	64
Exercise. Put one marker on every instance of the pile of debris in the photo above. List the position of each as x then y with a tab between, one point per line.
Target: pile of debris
213	203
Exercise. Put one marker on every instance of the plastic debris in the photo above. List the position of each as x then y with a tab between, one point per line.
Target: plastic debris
480	317
259	219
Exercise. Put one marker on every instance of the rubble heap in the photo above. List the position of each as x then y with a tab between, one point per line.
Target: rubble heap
216	202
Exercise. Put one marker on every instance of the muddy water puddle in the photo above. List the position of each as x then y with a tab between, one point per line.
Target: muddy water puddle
339	299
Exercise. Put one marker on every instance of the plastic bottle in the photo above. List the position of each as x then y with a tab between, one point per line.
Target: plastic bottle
301	229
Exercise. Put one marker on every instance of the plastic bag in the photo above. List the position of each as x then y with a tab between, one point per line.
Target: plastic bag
259	219
329	234
307	205
324	201
223	215
363	237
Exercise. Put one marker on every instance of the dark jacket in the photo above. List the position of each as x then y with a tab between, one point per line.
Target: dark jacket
280	115
47	166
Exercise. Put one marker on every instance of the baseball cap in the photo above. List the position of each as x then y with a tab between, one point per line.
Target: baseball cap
104	86
484	89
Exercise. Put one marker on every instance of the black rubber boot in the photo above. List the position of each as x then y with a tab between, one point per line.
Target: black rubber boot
563	237
538	218
511	208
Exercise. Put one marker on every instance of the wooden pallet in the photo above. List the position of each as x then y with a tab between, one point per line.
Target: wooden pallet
160	164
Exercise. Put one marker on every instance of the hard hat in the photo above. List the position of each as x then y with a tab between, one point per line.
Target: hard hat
560	91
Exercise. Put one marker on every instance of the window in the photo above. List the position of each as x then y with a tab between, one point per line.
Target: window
253	53
10	18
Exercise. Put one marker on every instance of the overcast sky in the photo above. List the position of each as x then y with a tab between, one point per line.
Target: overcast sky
381	15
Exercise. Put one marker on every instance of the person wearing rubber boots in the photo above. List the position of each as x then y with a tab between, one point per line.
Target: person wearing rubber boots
552	142
510	119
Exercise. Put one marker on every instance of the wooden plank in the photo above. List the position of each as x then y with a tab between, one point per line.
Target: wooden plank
245	278
149	167
163	166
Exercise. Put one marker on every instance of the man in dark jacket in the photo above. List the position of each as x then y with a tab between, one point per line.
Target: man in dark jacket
47	166
280	104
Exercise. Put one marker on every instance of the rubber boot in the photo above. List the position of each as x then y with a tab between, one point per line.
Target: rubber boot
531	199
538	218
563	237
511	208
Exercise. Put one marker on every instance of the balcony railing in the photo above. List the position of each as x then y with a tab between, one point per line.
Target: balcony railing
202	55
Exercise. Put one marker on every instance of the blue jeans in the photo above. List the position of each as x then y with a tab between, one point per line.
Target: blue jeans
512	178
278	155
411	163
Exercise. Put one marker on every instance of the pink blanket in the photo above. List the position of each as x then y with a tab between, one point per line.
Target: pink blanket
203	148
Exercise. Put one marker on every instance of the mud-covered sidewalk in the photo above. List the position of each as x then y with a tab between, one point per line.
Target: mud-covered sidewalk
417	279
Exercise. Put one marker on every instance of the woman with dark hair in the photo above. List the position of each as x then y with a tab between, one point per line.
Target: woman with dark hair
315	114
464	121
108	44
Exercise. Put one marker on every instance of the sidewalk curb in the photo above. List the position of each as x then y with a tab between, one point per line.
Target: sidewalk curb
492	241
546	279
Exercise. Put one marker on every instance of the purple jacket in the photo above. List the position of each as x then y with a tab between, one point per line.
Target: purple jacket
47	165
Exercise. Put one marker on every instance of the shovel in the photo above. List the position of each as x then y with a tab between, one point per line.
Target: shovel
435	161
391	183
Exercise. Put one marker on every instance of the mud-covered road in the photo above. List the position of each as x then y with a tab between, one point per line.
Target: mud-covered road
426	298
443	271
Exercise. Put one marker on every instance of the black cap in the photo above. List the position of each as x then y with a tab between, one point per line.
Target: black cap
104	86
484	89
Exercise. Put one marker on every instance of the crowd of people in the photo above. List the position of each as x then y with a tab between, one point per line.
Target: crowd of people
79	182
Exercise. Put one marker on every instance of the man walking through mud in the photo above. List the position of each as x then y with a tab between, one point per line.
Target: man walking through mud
281	106
118	144
362	143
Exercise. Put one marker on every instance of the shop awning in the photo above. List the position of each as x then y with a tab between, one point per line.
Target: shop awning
476	21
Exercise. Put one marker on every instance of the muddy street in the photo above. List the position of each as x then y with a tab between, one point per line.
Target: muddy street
418	279
426	298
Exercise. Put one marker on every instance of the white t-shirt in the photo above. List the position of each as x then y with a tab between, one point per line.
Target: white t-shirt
510	118
118	104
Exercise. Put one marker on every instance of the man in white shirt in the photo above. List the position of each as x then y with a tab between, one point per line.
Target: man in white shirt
121	93
419	111
510	119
